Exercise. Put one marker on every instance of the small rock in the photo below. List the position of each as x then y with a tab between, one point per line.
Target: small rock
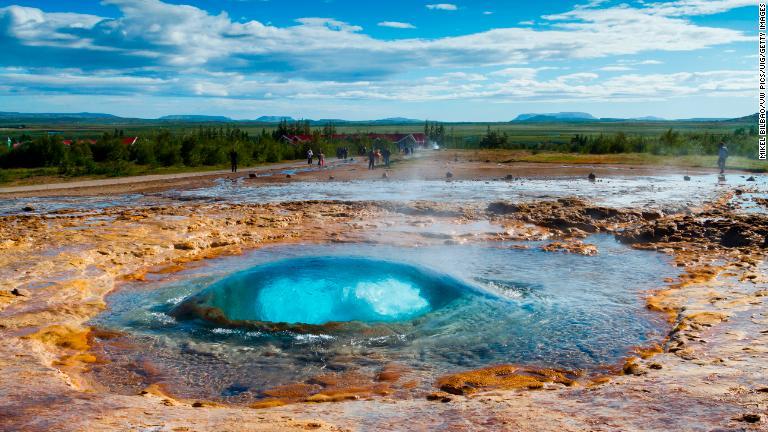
591	176
631	368
187	245
287	176
749	418
331	178
20	292
252	175
509	177
449	174
439	397
654	366
687	178
736	236
751	178
652	214
385	175
28	208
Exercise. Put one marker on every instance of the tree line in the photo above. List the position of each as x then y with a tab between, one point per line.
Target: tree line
205	146
741	142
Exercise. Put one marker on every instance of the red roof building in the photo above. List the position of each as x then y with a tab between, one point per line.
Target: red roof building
296	139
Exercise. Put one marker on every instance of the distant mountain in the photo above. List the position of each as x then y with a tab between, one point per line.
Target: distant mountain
47	116
750	118
395	120
195	118
561	116
648	118
273	119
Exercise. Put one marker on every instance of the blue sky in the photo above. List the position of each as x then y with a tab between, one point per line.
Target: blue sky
478	60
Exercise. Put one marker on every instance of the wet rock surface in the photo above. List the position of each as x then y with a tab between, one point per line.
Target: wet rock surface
708	375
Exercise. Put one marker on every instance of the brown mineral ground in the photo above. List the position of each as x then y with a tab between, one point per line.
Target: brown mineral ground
711	373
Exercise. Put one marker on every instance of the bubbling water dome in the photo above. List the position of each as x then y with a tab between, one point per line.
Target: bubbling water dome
318	291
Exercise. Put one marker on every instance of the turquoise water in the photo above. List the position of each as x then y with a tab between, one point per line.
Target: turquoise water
320	290
434	309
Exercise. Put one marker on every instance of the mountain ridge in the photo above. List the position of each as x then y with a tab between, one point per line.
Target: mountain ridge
19	118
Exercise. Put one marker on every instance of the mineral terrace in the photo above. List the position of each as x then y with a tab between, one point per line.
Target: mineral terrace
711	372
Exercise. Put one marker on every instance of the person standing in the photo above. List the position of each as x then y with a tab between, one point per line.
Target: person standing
233	160
371	159
310	156
386	154
722	156
321	159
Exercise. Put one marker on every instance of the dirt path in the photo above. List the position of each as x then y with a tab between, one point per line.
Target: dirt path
138	180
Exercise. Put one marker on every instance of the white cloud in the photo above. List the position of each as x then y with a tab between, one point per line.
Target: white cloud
151	32
615	68
173	50
396	24
508	85
487	12
527	73
443	6
697	7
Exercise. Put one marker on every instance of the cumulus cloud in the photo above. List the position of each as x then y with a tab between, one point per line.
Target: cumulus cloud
507	85
697	7
159	48
396	24
615	68
443	6
153	33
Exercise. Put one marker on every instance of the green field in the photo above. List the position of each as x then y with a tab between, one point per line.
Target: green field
679	143
525	132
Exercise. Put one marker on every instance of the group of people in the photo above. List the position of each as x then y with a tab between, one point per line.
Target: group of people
377	155
374	156
342	153
320	158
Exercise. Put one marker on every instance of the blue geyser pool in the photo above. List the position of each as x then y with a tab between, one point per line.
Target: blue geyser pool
322	290
289	313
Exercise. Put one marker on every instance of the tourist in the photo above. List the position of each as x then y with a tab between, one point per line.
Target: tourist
722	155
386	154
321	159
233	160
309	156
371	159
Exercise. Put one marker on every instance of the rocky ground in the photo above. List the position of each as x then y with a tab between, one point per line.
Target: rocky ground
710	374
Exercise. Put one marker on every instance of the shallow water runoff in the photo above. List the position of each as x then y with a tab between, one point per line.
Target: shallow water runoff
282	314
